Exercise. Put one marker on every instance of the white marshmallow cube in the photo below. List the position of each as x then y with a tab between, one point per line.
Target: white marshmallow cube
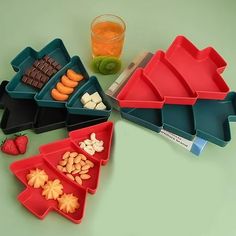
90	105
100	106
96	97
85	98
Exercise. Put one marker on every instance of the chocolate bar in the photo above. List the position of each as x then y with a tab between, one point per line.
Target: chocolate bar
40	72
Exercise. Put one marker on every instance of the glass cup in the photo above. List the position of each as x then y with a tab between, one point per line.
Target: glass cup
107	35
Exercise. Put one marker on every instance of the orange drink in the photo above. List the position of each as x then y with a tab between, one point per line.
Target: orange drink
107	35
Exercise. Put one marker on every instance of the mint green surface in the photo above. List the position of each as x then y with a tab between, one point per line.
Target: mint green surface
150	186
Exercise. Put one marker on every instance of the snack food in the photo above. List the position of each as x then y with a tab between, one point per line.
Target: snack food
90	105
95	97
63	89
68	203
72	75
40	72
109	65
52	189
58	96
85	98
21	142
66	86
37	178
93	101
67	82
100	106
75	165
106	65
92	145
9	147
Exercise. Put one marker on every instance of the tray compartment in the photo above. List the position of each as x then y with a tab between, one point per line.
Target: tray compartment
32	198
201	69
53	153
149	118
3	94
74	105
43	98
166	79
103	131
18	115
47	119
74	122
179	120
213	117
139	92
25	59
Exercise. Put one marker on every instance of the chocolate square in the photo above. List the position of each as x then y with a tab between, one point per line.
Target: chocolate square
46	58
44	79
50	73
30	81
40	85
24	79
38	76
35	83
50	60
58	67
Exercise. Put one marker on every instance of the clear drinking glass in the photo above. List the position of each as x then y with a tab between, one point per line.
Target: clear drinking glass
107	35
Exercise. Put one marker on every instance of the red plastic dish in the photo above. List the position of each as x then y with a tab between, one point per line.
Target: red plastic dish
32	198
180	76
53	153
103	131
200	68
50	155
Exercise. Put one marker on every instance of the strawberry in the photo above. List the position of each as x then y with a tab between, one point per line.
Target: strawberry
9	147
21	142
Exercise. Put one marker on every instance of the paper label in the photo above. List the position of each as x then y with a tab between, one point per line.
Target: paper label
177	139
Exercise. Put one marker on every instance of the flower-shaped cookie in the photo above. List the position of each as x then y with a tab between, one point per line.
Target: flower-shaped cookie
68	203
52	189
37	178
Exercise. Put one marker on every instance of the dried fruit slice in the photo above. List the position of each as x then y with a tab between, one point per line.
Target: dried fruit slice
109	65
64	89
96	63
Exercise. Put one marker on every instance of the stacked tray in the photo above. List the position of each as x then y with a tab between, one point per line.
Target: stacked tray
182	75
48	159
183	92
26	98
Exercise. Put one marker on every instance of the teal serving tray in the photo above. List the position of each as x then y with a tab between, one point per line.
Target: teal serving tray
207	119
25	59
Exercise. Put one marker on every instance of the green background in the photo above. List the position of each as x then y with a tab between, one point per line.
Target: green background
150	186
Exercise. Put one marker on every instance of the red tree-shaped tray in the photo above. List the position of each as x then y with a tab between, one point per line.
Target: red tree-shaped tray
180	76
48	160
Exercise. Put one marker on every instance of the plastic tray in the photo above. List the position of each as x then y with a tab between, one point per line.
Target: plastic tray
56	50
25	59
43	98
103	132
18	114
47	119
22	114
32	198
53	153
48	159
207	119
75	106
180	76
80	121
